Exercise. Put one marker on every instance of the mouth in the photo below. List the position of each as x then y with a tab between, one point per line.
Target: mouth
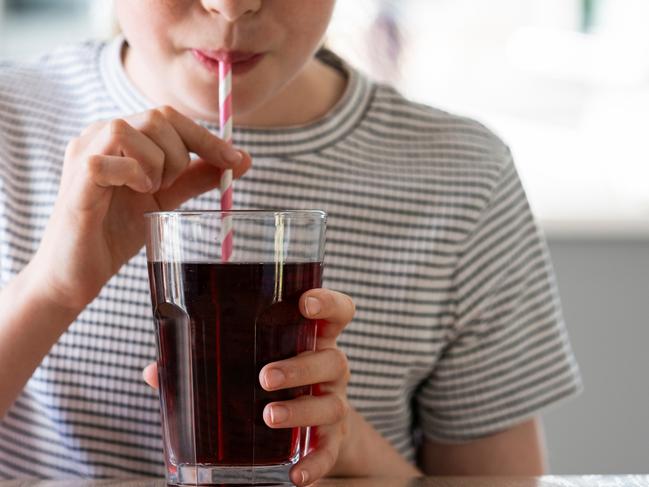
241	61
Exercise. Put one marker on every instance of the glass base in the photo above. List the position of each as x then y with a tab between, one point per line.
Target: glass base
240	475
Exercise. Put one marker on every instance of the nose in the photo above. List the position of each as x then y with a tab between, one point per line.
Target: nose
232	10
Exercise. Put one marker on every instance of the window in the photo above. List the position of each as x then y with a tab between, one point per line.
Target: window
564	82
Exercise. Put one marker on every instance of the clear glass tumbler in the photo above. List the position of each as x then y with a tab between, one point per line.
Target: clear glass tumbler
221	313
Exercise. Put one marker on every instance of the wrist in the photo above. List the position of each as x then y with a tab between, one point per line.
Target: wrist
37	286
366	453
351	461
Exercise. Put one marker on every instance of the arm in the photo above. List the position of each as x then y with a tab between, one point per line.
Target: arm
112	173
345	445
508	357
30	324
516	451
368	454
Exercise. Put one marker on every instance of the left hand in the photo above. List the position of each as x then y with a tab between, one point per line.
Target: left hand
327	370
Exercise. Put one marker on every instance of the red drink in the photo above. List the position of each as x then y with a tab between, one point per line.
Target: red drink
235	319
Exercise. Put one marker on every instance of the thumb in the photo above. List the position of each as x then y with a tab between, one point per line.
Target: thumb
150	375
198	178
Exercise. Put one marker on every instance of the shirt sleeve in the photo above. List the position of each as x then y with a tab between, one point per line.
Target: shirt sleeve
508	355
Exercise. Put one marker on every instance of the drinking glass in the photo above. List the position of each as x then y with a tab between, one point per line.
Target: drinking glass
224	289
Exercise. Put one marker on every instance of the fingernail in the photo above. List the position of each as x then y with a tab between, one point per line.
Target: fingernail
312	306
232	155
305	477
278	414
274	378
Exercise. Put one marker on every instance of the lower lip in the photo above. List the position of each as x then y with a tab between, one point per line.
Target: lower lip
238	68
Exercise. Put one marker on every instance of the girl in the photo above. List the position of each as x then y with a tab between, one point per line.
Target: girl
457	342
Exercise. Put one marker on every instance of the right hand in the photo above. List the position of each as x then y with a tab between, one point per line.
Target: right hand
113	173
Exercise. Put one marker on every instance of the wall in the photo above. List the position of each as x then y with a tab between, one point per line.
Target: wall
604	286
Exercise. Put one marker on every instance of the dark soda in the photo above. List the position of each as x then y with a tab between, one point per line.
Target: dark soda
218	325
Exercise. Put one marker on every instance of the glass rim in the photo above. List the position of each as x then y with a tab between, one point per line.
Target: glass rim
235	213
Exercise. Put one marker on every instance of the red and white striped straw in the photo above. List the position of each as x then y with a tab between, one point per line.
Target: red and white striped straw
225	118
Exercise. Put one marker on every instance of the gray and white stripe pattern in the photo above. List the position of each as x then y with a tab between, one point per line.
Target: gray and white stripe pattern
458	332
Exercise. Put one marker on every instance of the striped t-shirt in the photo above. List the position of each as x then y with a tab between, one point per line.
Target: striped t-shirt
458	332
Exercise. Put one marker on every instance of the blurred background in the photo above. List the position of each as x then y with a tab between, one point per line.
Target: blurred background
566	84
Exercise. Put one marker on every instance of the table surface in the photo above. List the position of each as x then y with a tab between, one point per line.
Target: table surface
549	481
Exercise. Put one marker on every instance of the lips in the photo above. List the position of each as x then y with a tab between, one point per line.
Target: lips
224	56
241	61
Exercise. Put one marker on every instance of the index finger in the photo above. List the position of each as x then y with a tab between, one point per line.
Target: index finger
201	141
336	309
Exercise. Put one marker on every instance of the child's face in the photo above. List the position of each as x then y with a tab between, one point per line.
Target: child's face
165	35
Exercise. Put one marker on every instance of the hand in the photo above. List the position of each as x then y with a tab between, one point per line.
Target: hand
327	370
113	173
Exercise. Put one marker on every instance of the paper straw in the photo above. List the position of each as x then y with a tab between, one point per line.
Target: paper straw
225	117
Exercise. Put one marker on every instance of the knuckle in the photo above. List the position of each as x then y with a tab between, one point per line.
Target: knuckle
154	121
352	306
134	169
347	376
118	127
167	111
298	373
339	358
339	407
160	156
72	147
94	166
